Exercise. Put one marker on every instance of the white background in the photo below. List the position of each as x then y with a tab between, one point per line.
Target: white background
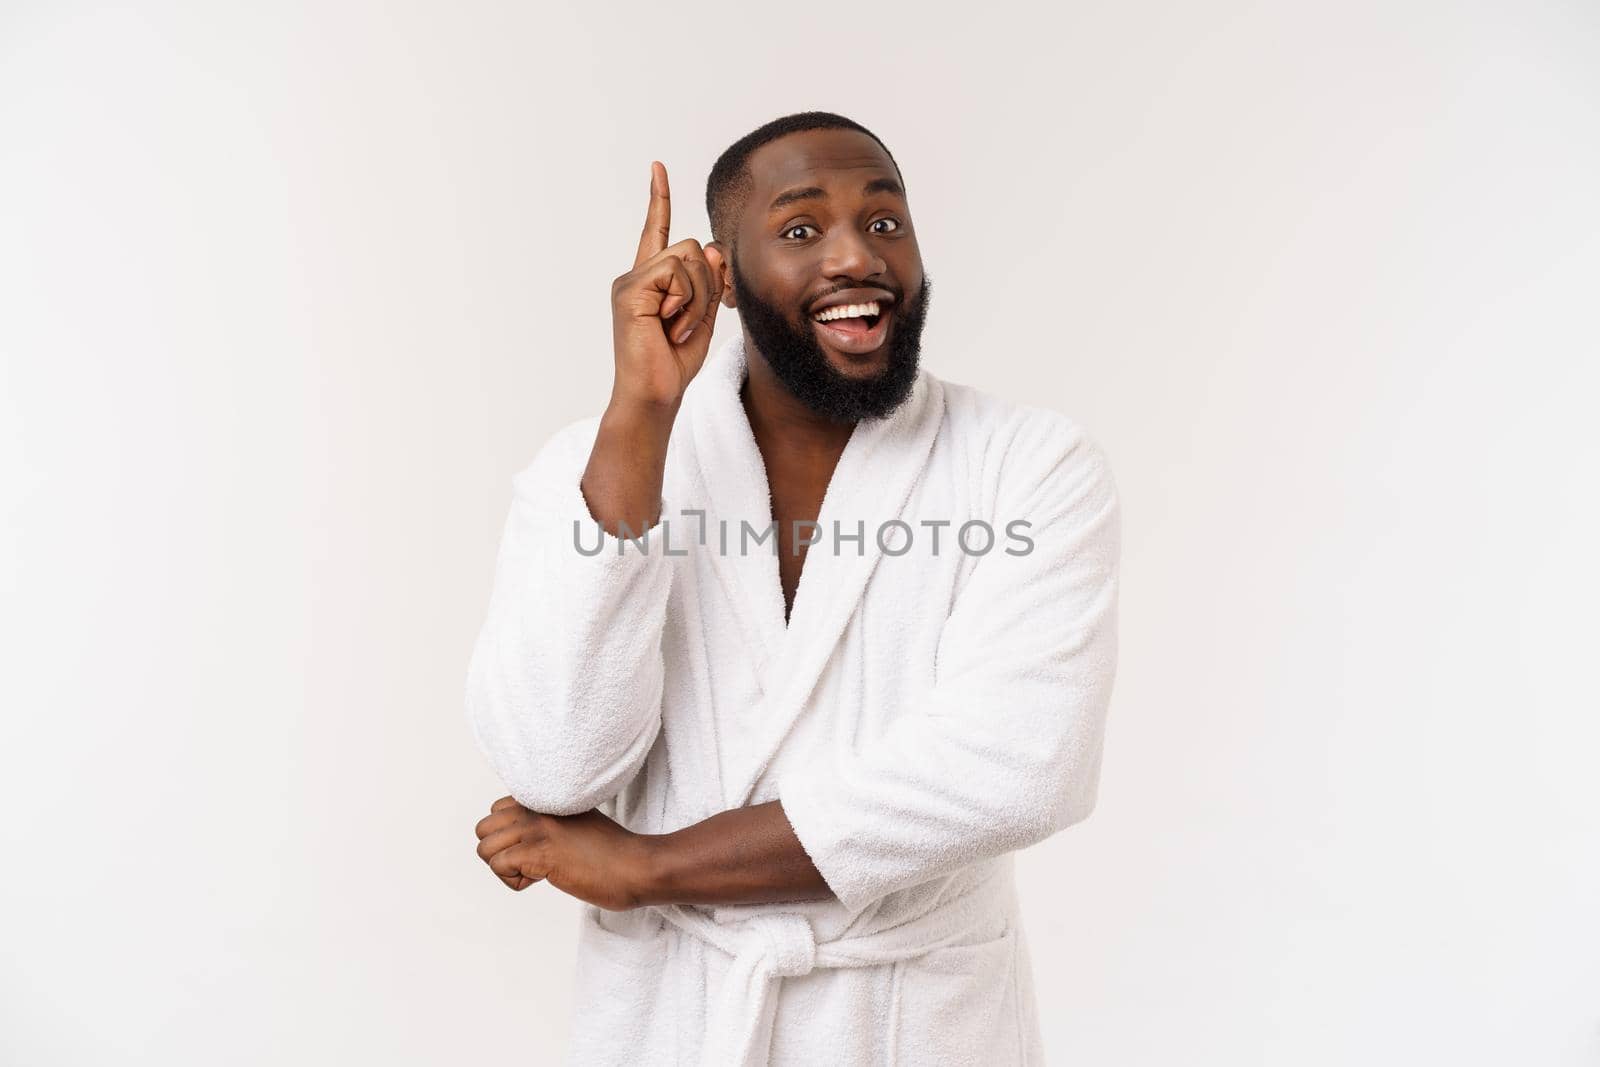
288	292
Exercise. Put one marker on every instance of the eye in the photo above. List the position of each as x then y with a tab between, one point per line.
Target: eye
798	226
894	224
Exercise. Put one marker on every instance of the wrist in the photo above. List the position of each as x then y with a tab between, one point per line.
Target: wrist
633	414
648	867
623	479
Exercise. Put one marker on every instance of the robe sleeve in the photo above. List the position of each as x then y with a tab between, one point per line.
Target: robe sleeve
563	690
1004	748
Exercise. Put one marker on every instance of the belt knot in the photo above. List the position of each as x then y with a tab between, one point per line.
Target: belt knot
786	941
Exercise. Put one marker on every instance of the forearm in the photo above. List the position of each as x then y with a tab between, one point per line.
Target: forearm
743	856
622	482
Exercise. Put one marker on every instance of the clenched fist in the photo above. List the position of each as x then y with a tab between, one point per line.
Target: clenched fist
664	309
587	856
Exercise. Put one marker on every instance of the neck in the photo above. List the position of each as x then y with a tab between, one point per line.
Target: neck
783	426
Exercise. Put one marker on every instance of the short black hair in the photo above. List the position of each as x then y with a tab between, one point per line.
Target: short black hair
729	181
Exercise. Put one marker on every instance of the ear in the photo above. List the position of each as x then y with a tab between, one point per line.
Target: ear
729	298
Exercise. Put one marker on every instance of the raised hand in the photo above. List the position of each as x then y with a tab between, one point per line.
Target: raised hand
663	310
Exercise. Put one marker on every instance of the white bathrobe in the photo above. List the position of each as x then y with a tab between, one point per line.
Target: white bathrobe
930	707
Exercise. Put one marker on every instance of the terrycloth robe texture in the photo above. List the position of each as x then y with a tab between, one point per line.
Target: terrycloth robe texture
930	707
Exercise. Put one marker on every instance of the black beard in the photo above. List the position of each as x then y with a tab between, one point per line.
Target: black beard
797	358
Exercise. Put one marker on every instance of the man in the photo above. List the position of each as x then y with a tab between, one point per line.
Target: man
791	648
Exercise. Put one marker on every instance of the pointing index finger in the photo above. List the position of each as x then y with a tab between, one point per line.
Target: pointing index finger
658	219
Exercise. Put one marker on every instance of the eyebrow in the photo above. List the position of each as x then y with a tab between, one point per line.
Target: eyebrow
812	192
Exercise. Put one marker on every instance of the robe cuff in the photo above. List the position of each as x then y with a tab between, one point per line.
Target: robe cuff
554	490
824	836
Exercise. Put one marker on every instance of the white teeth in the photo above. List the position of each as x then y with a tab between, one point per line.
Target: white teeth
847	311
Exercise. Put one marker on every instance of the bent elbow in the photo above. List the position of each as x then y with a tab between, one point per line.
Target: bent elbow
1077	758
552	797
556	765
1048	819
1079	805
1078	794
555	784
572	778
1066	795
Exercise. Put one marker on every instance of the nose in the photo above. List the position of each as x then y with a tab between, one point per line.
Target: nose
848	253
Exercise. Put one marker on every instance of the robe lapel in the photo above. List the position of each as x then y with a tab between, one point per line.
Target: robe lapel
877	472
732	488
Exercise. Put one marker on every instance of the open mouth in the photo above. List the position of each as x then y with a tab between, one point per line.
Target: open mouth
854	329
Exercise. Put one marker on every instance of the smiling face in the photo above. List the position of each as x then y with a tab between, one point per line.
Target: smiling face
827	275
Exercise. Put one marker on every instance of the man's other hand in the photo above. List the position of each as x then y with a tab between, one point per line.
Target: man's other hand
587	856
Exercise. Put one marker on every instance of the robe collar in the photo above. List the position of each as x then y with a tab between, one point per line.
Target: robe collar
880	466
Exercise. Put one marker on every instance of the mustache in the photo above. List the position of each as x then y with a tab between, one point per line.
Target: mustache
898	294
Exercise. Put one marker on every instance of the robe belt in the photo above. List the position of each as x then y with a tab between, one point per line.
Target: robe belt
768	946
